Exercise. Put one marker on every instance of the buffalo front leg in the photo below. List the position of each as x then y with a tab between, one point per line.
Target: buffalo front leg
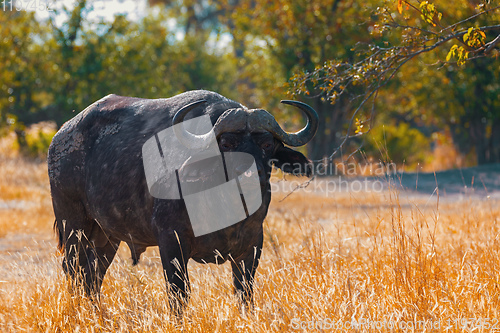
174	257
244	273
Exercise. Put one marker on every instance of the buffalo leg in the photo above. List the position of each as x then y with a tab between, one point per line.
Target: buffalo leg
85	260
76	256
99	261
73	228
174	257
244	273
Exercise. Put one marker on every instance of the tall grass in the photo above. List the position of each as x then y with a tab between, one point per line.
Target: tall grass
384	262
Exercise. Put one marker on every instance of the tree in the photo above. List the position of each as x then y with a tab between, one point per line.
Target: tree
300	35
409	30
23	65
50	71
202	20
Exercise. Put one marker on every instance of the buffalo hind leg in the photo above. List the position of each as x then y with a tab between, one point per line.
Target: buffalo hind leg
86	263
98	263
73	228
244	274
75	256
87	251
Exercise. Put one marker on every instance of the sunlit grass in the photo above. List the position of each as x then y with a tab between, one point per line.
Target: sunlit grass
364	256
25	204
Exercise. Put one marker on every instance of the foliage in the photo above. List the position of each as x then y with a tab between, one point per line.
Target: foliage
474	38
399	144
24	64
298	36
405	32
37	143
51	70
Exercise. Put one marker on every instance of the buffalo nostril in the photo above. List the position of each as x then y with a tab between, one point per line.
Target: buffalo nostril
242	169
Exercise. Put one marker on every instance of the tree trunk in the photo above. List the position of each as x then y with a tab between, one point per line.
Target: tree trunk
494	144
477	132
331	119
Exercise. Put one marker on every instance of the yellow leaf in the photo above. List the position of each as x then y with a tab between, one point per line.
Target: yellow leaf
449	55
400	6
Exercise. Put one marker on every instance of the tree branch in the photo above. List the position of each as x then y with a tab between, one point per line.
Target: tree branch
491	45
468	19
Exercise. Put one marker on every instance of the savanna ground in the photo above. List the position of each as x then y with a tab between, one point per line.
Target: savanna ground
369	261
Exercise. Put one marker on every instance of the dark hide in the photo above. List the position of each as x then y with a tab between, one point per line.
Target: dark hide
100	196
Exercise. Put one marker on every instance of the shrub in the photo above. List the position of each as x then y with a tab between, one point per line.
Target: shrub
399	143
37	144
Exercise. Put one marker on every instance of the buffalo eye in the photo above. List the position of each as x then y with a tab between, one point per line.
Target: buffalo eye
226	145
266	145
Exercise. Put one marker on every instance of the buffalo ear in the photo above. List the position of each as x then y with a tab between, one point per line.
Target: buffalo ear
293	162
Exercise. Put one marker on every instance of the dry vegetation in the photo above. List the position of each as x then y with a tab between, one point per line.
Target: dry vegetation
371	257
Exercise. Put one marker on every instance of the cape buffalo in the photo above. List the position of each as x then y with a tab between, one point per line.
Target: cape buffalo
101	198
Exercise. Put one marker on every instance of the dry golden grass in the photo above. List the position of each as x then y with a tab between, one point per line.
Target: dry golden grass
25	203
371	257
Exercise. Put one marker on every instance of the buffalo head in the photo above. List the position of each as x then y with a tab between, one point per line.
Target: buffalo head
255	132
